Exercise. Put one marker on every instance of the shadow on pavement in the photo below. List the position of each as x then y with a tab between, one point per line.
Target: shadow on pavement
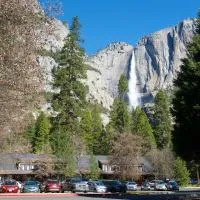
177	196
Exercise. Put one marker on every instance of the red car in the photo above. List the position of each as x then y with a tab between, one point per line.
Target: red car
53	186
10	186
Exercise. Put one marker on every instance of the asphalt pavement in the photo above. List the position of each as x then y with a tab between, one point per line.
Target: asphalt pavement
184	195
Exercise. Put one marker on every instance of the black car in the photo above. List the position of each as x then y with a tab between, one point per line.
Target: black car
114	186
172	185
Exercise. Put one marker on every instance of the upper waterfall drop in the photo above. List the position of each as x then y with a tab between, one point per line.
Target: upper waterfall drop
133	93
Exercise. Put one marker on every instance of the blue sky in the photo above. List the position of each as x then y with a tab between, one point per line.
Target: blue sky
106	21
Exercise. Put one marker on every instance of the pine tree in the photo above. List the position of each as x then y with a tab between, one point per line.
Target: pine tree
87	129
122	85
70	101
180	172
42	135
120	116
94	172
162	121
186	103
97	127
92	127
141	126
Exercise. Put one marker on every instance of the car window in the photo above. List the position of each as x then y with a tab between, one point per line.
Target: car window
52	182
10	183
131	183
173	183
160	182
30	183
99	183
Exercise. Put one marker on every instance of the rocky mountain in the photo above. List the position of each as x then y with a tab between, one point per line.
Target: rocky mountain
104	72
157	61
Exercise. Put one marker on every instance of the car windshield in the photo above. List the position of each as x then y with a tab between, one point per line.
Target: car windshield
77	180
160	182
115	183
53	182
131	183
99	183
10	183
30	183
173	183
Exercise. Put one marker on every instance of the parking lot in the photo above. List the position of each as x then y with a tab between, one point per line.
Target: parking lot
138	195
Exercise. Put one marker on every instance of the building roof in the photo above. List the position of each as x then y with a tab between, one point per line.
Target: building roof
8	162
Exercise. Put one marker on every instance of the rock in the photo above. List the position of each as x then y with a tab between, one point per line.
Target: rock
105	70
157	56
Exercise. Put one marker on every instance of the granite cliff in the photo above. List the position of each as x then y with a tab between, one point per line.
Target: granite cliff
157	61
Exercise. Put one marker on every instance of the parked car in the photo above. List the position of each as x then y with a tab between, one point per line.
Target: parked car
130	185
31	186
160	185
79	186
52	186
172	185
1	186
69	183
20	185
10	186
152	184
145	186
114	186
97	186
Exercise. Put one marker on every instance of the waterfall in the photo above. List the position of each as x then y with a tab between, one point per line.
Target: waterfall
133	93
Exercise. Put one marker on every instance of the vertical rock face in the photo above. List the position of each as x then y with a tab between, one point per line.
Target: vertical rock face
104	72
158	57
157	61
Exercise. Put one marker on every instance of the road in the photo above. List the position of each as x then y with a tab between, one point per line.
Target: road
186	195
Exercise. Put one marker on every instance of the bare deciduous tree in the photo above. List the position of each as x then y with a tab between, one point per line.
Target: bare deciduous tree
20	76
23	28
125	152
44	166
162	162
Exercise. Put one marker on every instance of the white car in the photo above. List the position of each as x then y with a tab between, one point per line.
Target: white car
20	185
160	185
130	185
97	186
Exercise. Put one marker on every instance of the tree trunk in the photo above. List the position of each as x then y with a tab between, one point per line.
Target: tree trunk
197	168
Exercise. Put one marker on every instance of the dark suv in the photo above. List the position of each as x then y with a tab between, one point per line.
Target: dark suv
114	186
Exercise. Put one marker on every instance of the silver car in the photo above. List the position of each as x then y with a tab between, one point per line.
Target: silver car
160	185
81	186
130	185
97	186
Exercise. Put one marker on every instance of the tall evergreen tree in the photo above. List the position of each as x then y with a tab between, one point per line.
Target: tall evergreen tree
141	126
94	172
181	172
186	103
42	135
120	116
92	129
162	121
70	101
122	85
